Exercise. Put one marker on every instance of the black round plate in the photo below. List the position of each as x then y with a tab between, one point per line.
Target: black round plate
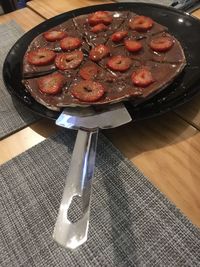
183	26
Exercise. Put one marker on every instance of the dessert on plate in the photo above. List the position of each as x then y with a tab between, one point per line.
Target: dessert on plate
101	58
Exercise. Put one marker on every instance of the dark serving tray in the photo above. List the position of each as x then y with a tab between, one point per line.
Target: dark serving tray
183	26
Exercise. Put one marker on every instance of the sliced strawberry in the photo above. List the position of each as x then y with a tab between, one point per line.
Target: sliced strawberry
100	17
66	61
53	36
161	44
88	91
118	36
41	56
119	63
141	23
99	28
99	52
133	45
142	77
88	72
51	84
70	43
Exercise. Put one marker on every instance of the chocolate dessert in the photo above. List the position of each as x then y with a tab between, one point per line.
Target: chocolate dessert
101	58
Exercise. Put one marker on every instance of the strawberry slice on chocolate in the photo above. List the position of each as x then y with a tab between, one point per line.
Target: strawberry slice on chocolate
53	36
142	77
100	17
119	63
88	91
118	36
67	61
70	43
133	45
88	72
141	23
99	28
161	43
94	39
51	84
99	52
41	57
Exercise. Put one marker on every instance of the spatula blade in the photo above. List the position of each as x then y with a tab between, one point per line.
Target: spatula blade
89	118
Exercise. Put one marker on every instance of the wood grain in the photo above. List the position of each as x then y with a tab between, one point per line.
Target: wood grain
196	13
49	9
25	17
21	141
165	149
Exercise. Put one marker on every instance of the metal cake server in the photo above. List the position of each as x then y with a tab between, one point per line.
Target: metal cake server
79	179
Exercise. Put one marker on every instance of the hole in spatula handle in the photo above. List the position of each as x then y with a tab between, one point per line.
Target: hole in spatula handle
75	211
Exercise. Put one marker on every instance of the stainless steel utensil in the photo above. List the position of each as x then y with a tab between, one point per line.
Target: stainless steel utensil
79	179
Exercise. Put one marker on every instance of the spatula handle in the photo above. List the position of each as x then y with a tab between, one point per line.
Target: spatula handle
78	183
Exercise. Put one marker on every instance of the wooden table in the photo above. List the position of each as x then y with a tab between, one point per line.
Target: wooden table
166	149
48	9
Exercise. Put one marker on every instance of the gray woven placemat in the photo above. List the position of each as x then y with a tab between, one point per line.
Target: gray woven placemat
13	115
132	223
